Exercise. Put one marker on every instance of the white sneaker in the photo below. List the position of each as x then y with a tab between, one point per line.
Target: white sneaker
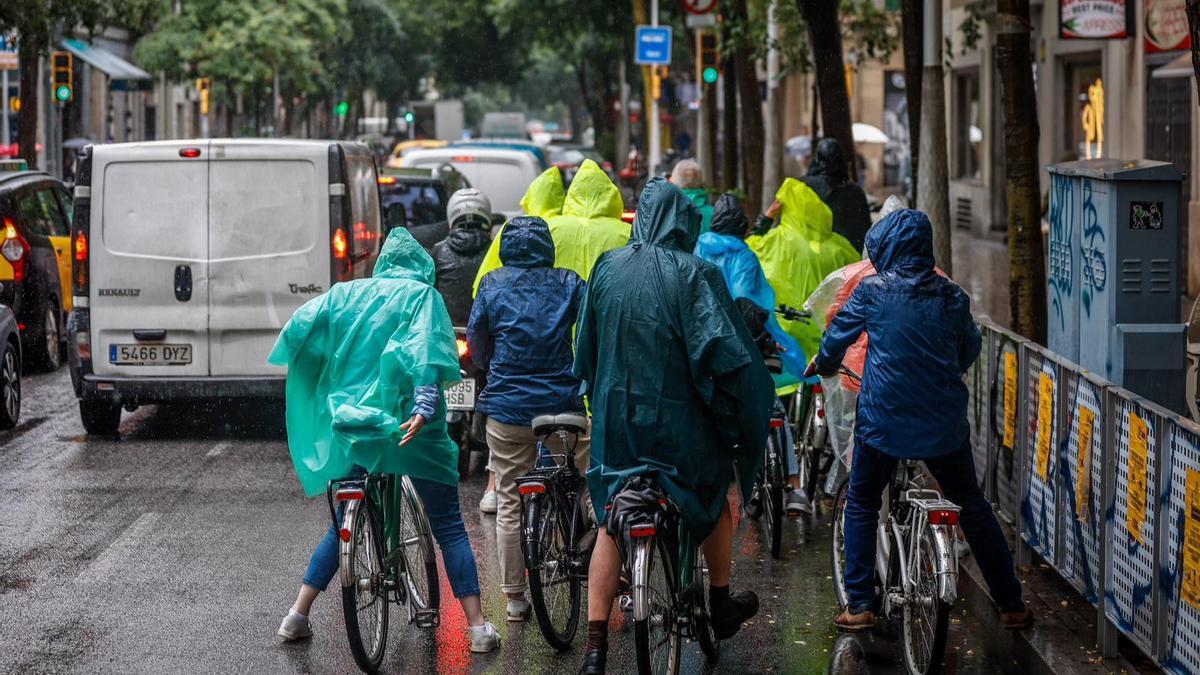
489	502
484	638
518	610
294	627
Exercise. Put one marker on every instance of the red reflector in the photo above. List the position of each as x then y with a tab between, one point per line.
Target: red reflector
820	413
344	534
818	389
532	488
347	495
387	180
189	153
777	424
20	326
642	531
943	517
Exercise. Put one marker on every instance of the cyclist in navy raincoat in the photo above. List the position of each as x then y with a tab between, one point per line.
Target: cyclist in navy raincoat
913	405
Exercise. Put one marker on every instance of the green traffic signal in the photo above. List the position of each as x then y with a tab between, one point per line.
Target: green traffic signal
62	93
710	75
409	117
341	109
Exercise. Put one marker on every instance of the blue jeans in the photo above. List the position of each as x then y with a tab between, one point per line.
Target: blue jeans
955	474
445	519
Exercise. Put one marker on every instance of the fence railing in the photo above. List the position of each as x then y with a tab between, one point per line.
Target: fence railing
1102	484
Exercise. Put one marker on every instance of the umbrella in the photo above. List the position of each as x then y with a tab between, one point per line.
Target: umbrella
865	133
77	143
799	146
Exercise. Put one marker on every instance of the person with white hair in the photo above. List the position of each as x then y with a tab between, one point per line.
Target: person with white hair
689	177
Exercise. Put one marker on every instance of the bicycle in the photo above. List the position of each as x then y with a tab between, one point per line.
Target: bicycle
554	522
806	414
915	563
771	484
669	577
385	555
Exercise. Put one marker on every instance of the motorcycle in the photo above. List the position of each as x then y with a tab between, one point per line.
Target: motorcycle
464	424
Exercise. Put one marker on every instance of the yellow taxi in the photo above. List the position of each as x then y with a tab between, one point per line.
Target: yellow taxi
396	159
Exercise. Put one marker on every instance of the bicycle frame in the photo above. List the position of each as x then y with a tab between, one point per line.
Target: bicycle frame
906	513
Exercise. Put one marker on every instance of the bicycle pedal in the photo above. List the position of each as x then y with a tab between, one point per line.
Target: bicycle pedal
427	618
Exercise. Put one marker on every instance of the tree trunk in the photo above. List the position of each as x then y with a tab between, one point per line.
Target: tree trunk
729	132
825	36
1027	271
30	51
752	114
641	17
772	155
934	177
913	17
1193	15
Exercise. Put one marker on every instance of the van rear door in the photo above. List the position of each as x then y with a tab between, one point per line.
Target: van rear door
268	243
149	272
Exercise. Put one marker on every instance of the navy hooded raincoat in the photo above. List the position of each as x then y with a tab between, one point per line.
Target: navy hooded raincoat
913	403
676	385
520	328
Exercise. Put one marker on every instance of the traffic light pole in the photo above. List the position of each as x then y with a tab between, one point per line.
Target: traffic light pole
5	130
655	141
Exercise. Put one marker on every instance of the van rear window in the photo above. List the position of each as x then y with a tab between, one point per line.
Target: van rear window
156	209
264	207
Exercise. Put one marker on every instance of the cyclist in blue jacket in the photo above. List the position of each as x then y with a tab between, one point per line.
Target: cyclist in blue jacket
913	405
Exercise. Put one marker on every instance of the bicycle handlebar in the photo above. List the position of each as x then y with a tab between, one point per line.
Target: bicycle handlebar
793	313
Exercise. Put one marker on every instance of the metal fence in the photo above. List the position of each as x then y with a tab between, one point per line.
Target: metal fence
1102	484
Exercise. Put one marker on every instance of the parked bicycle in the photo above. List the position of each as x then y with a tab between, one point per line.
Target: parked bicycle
669	577
555	527
385	555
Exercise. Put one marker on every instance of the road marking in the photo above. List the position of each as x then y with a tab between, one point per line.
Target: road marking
218	449
120	549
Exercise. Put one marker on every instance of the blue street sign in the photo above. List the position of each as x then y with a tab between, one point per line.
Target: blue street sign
653	46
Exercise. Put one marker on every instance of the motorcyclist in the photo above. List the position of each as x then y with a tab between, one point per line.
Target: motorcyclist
689	177
521	333
458	256
678	390
923	338
366	361
829	177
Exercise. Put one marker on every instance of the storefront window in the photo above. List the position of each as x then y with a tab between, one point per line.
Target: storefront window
1083	112
968	126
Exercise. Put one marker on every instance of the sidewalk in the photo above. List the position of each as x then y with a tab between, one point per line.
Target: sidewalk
981	268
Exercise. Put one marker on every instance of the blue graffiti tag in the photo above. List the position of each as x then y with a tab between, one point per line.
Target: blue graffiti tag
1091	252
1059	254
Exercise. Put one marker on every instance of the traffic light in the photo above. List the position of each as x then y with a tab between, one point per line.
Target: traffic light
409	117
341	108
708	61
203	85
62	64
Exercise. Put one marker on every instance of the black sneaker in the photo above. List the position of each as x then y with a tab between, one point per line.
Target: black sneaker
593	662
726	621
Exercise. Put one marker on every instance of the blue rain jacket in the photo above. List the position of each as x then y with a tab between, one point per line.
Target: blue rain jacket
923	338
745	279
520	328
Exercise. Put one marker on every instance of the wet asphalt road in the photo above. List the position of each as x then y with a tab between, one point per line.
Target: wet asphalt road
178	547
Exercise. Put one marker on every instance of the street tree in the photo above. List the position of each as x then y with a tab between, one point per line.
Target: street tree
752	130
1193	15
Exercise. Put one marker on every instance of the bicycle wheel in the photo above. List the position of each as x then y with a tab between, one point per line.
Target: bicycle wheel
812	449
772	496
925	615
655	627
416	547
554	589
839	543
701	619
364	596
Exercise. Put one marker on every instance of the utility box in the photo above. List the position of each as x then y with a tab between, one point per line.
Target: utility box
1113	260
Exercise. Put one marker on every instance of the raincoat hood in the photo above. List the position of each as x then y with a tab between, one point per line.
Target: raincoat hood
829	160
468	241
526	243
592	194
729	218
712	244
666	217
803	210
545	195
403	258
902	240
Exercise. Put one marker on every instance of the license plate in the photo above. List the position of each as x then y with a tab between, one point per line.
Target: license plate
150	355
461	396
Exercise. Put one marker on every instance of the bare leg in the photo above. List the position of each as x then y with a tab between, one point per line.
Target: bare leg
603	577
718	549
491	486
473	609
305	599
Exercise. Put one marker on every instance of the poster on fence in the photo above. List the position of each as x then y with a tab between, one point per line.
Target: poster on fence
1137	469
1191	541
1083	470
1010	399
1045	425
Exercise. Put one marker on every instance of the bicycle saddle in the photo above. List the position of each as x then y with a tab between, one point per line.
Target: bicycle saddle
572	423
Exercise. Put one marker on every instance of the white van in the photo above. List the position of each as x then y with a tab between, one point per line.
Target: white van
189	256
502	174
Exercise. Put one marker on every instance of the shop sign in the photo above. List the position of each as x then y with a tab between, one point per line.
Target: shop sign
1166	26
1094	19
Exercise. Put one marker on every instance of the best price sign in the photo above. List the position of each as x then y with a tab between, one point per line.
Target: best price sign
1094	19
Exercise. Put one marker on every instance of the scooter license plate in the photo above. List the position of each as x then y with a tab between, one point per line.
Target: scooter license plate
461	396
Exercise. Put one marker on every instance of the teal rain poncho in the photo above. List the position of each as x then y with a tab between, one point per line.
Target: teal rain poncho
677	386
354	356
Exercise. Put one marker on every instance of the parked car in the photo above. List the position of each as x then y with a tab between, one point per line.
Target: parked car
191	255
568	159
415	199
35	265
10	369
500	173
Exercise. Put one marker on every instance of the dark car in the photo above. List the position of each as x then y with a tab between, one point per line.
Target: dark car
568	159
10	369
415	199
35	260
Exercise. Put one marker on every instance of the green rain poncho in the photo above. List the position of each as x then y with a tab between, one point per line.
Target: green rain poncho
699	198
677	386
590	222
799	253
354	356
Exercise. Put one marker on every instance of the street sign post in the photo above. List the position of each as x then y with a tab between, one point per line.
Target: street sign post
653	46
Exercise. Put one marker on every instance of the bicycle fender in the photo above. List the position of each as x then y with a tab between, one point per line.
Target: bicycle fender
641	572
345	548
946	563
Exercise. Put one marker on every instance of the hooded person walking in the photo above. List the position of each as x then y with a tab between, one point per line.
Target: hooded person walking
829	177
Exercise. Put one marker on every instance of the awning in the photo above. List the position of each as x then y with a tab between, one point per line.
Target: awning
123	75
1179	67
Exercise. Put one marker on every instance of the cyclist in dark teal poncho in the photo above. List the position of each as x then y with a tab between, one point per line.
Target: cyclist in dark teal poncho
677	389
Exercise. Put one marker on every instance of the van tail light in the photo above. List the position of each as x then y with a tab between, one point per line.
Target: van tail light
943	517
83	345
387	180
189	153
639	531
340	249
82	258
532	488
15	249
